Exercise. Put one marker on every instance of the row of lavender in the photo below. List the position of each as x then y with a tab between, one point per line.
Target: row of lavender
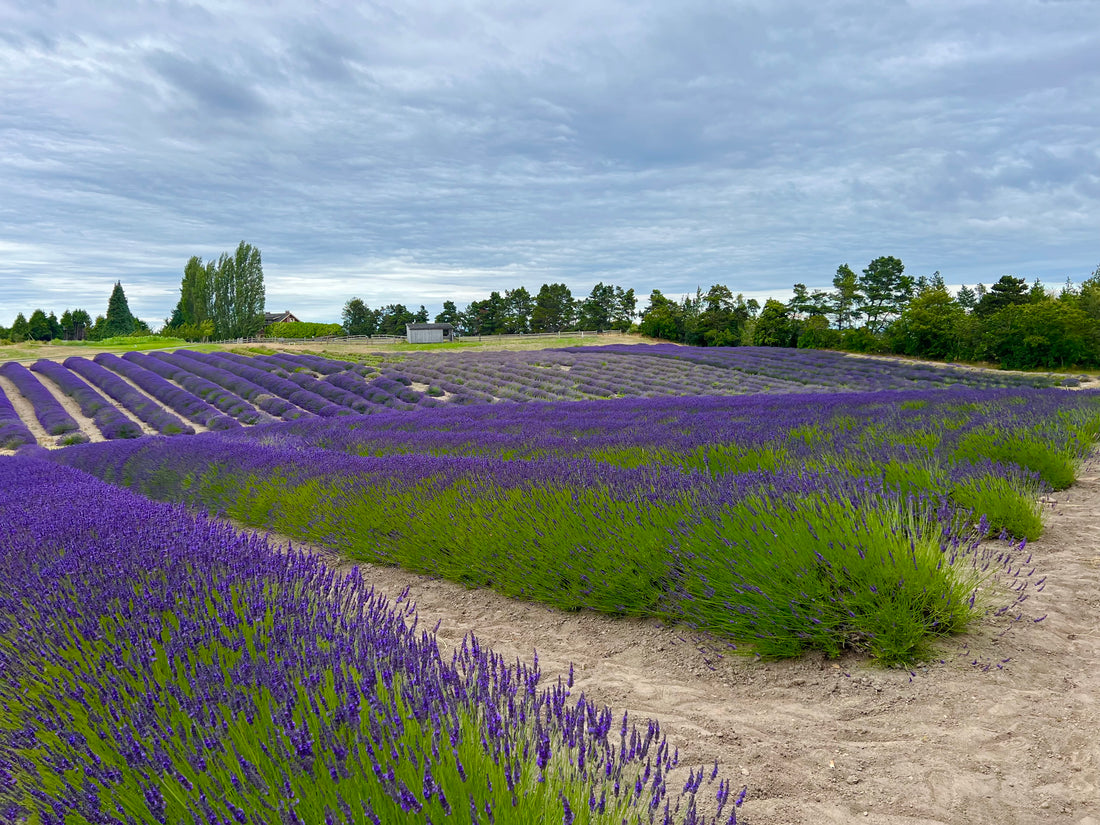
226	390
665	369
217	391
160	667
934	442
836	522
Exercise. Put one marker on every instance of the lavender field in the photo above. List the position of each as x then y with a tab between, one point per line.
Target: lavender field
181	392
159	664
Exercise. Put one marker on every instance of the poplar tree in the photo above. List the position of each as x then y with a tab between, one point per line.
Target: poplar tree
195	291
238	293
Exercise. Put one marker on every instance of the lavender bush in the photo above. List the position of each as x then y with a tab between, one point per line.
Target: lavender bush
219	397
159	667
148	411
13	432
274	383
194	363
887	571
109	420
181	400
49	412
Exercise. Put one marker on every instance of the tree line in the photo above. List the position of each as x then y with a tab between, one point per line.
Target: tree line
883	310
218	299
77	324
514	312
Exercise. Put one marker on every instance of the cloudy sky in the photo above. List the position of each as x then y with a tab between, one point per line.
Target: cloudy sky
431	149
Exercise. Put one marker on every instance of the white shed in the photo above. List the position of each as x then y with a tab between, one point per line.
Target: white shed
429	333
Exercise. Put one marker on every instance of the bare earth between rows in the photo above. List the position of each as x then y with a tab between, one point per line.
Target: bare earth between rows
1002	727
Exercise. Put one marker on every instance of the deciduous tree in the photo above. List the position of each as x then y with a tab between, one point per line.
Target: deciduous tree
238	293
773	327
196	290
929	326
662	319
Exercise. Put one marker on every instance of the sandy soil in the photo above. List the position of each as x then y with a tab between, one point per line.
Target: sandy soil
1003	727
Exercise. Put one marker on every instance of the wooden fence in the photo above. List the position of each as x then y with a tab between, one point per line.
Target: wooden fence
400	339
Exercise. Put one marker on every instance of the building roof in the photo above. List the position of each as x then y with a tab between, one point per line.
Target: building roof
444	327
277	317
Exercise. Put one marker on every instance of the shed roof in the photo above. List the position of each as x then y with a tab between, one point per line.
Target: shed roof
444	327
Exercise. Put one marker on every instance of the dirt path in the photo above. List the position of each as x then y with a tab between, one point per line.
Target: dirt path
1003	727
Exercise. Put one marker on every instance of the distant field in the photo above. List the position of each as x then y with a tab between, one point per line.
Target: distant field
60	402
60	350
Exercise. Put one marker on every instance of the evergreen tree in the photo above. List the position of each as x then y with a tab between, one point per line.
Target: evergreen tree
1006	292
723	317
20	331
38	327
421	316
966	298
886	291
799	304
626	307
485	317
518	306
119	320
553	310
358	318
691	308
598	308
449	315
845	298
